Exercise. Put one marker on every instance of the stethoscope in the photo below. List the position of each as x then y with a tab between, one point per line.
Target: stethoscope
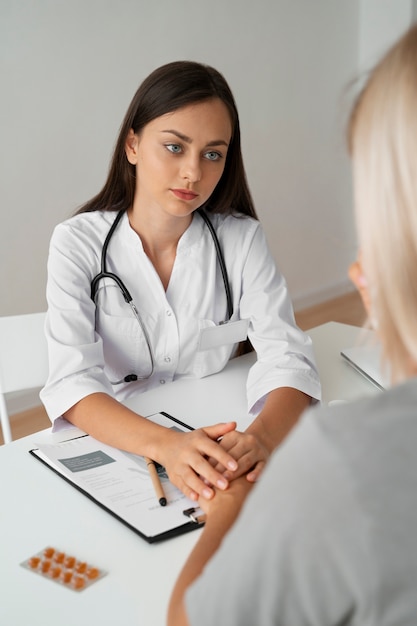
129	300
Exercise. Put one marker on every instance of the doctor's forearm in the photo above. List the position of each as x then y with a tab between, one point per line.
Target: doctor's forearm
252	448
281	412
106	419
183	454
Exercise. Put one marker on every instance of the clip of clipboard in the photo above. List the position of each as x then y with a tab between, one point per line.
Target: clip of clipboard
194	516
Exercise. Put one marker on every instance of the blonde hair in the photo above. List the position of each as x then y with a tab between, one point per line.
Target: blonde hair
382	138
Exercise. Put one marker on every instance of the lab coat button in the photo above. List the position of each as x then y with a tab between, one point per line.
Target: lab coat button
167	359
169	313
162	381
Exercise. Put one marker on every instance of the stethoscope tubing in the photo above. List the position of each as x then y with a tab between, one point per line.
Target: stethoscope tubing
129	300
104	273
221	261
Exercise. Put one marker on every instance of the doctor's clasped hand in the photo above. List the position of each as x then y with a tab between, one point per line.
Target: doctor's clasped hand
185	460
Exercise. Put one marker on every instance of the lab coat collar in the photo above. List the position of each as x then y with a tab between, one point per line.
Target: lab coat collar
191	237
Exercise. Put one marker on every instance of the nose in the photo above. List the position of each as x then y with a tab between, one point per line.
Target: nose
191	168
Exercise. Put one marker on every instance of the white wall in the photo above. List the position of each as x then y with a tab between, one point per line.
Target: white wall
71	68
381	22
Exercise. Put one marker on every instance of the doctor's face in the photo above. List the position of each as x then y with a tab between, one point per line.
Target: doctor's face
180	158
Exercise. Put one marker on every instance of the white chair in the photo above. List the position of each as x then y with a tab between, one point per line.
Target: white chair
23	359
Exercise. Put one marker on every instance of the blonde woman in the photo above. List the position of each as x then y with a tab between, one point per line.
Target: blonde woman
328	535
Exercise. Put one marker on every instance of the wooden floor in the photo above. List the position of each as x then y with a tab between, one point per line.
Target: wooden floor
347	309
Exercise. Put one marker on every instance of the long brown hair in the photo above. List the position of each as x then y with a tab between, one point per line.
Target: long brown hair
167	89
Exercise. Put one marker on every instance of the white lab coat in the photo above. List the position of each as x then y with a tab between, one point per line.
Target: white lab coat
92	348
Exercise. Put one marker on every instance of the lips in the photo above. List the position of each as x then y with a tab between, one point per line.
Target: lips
184	194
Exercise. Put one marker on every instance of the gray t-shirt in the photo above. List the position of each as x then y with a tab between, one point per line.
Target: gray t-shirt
328	537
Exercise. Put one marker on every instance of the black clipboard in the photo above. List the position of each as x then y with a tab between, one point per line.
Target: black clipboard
195	518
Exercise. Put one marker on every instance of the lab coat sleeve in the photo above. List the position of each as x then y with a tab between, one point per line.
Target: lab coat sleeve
76	363
285	355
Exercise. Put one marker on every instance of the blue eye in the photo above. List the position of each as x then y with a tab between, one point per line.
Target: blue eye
173	147
213	156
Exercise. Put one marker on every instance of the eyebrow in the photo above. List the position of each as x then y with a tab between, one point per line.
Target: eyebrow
216	142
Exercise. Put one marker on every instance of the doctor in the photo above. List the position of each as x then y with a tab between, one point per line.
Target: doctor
163	275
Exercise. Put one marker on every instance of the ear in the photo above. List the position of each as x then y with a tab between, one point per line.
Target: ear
131	147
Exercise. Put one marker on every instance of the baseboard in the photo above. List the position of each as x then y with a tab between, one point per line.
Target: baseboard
310	299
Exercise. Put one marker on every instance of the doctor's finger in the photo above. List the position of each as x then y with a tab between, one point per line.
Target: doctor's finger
193	487
217	431
241	445
209	475
232	444
256	472
197	480
247	459
211	449
189	464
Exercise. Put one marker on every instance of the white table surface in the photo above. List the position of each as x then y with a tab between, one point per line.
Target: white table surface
38	508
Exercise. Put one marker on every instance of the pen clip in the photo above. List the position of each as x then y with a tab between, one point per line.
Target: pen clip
193	516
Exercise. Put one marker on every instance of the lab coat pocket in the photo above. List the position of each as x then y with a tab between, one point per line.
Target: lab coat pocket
124	346
216	345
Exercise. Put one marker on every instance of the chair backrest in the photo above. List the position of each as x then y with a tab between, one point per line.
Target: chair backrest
23	352
23	359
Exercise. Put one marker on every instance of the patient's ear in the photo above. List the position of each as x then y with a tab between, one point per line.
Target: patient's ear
131	147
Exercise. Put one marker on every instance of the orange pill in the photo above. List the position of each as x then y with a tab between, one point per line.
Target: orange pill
49	552
78	582
81	568
66	577
55	572
63	568
69	561
92	573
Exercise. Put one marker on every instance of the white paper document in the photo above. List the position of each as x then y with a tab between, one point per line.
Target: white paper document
120	482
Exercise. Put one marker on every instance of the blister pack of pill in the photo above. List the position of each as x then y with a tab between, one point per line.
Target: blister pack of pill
63	568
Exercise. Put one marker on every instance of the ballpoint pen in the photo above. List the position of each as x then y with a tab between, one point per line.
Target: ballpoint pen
156	481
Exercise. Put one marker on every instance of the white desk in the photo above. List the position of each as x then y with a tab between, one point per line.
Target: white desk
38	508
